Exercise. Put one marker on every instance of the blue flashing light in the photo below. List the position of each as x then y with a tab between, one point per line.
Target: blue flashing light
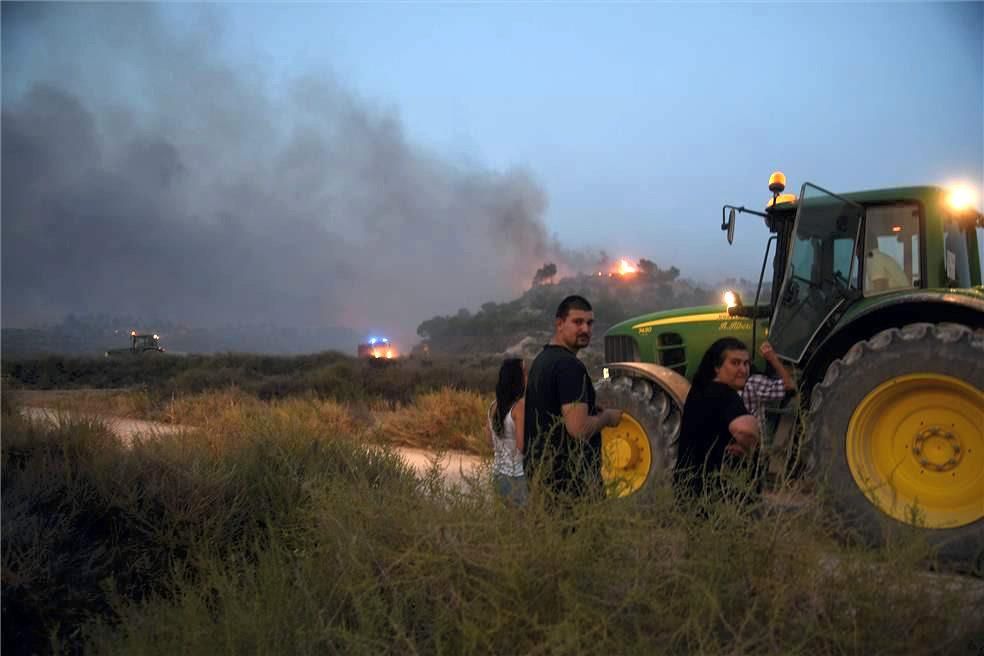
372	340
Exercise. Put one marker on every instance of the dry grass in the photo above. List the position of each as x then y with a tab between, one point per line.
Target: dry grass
230	412
134	404
448	419
275	536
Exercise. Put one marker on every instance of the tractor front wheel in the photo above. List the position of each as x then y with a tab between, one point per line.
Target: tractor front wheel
641	450
898	424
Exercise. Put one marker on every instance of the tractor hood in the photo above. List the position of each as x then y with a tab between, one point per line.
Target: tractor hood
669	317
676	338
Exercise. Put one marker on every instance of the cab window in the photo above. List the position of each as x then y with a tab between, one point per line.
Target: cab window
980	253
957	256
843	253
891	248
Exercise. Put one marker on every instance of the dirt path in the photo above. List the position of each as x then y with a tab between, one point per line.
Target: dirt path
455	467
125	429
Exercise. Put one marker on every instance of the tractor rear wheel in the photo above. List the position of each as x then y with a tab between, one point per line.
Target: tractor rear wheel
640	452
898	427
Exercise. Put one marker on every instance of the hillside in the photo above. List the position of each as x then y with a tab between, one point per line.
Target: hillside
497	326
492	328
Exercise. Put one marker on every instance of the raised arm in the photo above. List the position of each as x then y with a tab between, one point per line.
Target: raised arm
770	356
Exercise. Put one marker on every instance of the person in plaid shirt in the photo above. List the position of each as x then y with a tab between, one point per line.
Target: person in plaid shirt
760	389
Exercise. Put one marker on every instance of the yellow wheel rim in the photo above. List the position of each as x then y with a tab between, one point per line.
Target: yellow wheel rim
626	457
915	446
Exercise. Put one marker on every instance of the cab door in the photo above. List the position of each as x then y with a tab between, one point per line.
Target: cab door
821	270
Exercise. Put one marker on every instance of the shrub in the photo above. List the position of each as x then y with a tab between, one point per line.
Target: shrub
87	522
448	419
327	375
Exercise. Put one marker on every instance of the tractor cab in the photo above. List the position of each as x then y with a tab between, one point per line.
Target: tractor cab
833	250
140	343
820	270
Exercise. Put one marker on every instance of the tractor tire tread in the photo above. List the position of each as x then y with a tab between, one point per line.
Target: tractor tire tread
654	410
828	398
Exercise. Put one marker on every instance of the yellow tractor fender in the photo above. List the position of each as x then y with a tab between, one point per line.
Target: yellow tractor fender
675	385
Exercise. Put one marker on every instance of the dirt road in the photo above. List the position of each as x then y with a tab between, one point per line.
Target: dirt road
125	429
455	467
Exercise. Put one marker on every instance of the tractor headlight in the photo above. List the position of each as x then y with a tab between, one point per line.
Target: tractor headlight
732	299
961	198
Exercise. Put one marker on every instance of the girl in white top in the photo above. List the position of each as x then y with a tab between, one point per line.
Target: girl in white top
506	431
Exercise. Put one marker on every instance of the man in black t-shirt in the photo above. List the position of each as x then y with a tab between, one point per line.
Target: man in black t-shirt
717	429
562	427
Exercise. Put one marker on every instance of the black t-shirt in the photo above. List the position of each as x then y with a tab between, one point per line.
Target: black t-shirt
704	435
569	465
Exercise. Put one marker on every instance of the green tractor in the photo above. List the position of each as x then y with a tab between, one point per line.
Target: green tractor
877	305
140	344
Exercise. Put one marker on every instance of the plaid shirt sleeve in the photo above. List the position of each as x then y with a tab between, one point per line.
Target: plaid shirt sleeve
759	388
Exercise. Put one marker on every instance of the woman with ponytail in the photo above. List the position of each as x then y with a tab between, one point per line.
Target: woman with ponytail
506	430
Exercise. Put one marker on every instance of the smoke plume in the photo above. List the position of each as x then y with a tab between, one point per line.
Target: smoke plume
144	175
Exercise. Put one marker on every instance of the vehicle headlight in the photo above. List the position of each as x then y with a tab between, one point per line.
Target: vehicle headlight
732	299
961	198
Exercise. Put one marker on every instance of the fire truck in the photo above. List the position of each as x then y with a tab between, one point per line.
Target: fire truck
377	348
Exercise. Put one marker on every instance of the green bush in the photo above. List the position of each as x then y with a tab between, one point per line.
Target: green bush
327	375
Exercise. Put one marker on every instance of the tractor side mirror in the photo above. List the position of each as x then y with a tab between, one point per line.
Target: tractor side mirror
731	226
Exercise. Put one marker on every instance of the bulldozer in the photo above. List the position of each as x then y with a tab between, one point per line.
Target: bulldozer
877	306
140	344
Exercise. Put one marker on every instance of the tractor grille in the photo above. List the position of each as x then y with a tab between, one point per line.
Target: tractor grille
673	352
621	348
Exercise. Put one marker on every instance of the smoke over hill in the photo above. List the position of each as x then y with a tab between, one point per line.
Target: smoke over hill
144	175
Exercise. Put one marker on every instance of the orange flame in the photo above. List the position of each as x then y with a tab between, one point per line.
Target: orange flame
626	268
